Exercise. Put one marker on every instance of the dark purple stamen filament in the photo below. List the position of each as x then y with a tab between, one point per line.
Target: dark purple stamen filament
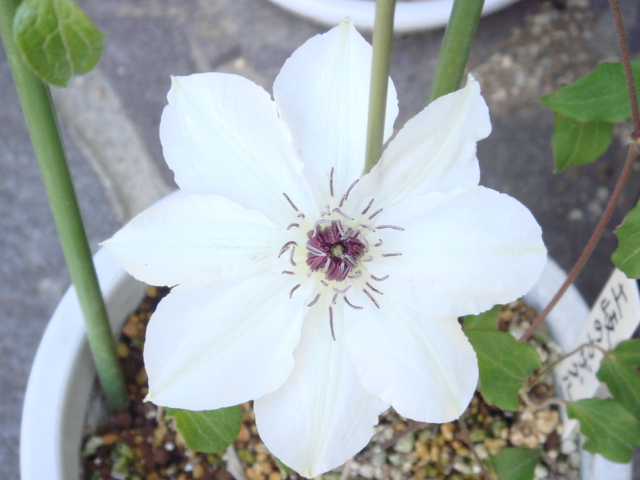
334	250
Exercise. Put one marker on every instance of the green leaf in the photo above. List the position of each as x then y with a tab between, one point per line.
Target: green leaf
504	365
623	382
627	255
610	429
209	431
600	96
486	320
628	352
516	463
56	39
576	143
284	470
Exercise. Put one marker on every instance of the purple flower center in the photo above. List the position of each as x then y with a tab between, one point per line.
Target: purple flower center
334	250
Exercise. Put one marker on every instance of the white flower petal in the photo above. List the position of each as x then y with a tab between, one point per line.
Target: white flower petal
322	415
221	135
212	345
196	238
434	151
462	251
422	365
322	93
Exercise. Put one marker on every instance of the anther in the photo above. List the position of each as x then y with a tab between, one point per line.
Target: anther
335	297
331	323
379	244
339	212
346	195
346	300
293	250
331	182
358	274
379	279
313	302
344	290
290	202
367	259
375	213
395	227
291	225
288	272
324	283
373	288
368	207
391	254
285	247
293	290
364	240
368	227
371	297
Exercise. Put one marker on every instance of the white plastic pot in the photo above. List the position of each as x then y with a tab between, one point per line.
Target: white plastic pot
58	394
410	16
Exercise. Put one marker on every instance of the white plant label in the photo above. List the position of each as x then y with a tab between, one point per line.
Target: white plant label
613	318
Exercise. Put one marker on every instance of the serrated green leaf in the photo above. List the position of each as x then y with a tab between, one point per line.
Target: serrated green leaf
208	431
627	255
516	463
56	39
486	320
504	365
610	429
600	96
576	143
628	352
623	382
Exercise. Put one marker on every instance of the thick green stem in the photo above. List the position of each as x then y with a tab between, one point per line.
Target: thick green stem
38	110
458	37
382	40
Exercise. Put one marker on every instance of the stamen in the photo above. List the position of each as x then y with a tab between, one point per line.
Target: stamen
346	195
326	211
327	264
313	302
342	200
324	283
371	297
350	260
374	214
321	221
379	244
395	227
331	182
335	297
368	207
358	274
331	323
288	272
379	279
290	202
346	300
391	254
293	290
339	212
364	240
293	250
344	290
293	225
368	227
314	250
373	288
367	259
285	247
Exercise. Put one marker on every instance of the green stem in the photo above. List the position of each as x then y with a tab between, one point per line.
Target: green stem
39	113
458	37
382	40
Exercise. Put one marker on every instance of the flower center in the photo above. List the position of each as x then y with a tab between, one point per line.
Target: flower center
334	249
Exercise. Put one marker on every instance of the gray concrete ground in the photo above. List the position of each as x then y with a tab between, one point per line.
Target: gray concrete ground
110	122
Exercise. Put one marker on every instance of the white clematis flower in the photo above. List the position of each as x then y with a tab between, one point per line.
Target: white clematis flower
322	297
